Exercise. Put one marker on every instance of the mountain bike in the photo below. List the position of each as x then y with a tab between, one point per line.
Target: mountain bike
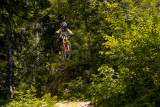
65	47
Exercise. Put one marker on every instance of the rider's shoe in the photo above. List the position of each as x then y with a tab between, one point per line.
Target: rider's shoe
59	52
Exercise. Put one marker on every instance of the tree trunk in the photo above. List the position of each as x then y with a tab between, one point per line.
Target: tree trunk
10	65
37	77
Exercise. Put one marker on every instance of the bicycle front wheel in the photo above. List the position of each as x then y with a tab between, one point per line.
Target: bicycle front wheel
66	51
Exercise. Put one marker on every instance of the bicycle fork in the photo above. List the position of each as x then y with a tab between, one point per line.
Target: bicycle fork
64	45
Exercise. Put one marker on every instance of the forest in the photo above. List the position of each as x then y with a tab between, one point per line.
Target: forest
115	53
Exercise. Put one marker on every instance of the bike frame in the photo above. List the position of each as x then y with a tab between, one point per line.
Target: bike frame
66	43
66	50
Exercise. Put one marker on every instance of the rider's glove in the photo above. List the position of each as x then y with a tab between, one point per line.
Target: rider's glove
56	33
72	34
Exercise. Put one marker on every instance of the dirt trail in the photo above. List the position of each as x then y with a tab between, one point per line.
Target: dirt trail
74	104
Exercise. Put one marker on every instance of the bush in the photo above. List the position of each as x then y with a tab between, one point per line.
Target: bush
29	100
76	90
127	89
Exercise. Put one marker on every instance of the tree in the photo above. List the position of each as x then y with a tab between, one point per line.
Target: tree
133	49
9	17
14	15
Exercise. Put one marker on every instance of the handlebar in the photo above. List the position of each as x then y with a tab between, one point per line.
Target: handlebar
62	34
66	34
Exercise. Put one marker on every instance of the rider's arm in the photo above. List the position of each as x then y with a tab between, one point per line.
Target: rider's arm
69	31
58	31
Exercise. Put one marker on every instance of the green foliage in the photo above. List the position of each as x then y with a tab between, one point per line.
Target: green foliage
128	73
76	90
64	75
29	100
133	51
104	88
2	78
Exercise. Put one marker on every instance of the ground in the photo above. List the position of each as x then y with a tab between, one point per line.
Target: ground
74	104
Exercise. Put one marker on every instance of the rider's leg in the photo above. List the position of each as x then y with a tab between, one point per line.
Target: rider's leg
59	41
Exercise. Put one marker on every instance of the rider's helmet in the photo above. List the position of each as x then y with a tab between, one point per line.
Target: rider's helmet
64	26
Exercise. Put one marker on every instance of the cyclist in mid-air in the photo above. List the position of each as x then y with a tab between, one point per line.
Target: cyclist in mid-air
62	30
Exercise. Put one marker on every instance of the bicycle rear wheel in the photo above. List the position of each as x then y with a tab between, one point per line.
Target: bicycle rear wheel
66	51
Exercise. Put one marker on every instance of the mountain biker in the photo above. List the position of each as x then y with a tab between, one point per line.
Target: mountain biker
62	30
